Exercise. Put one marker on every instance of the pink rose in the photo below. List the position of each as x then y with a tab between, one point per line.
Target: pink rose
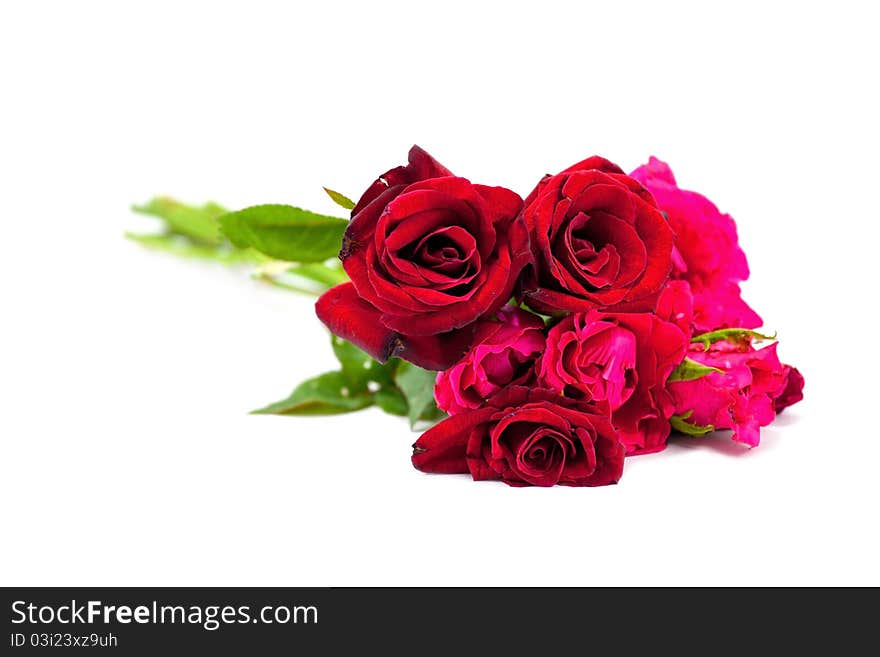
743	396
622	359
707	254
503	354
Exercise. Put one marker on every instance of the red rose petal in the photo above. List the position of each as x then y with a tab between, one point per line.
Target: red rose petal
658	239
351	318
421	167
594	162
442	449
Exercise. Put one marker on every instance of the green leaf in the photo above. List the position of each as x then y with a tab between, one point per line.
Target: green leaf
417	386
432	414
679	423
358	366
391	400
689	370
196	222
285	232
326	394
340	199
191	231
736	335
184	247
360	383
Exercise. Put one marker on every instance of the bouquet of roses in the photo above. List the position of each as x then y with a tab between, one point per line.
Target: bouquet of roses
545	339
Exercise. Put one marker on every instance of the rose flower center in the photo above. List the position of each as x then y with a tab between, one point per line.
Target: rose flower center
600	250
536	452
449	252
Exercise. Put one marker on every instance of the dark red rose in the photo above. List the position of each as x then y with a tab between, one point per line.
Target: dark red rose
623	359
525	437
793	391
421	166
426	258
353	319
598	241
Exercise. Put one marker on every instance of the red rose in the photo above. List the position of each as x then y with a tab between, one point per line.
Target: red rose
421	166
427	258
676	304
623	359
524	437
598	240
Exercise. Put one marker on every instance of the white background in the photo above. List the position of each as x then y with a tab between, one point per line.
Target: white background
128	457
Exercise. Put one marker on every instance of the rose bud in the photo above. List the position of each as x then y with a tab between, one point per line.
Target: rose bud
427	257
503	354
707	254
744	395
623	359
598	241
525	437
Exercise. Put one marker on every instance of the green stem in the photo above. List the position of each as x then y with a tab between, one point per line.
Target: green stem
268	278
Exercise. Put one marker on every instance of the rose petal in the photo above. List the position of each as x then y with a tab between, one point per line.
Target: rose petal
421	167
657	238
676	305
794	389
594	162
442	448
351	318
